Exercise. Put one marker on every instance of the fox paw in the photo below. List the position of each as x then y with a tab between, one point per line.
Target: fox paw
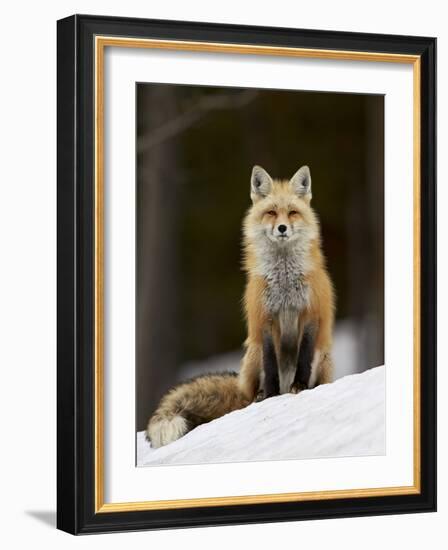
297	387
260	396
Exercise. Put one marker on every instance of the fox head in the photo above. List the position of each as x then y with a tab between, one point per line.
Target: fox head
281	212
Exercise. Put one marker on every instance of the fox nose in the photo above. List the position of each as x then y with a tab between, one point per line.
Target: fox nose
282	228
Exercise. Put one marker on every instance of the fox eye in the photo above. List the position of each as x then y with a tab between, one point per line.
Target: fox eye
271	213
292	213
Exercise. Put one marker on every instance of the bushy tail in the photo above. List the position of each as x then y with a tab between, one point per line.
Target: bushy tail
193	403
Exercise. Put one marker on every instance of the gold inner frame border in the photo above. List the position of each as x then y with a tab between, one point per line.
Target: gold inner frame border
101	42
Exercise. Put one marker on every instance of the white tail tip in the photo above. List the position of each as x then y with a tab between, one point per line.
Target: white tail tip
162	432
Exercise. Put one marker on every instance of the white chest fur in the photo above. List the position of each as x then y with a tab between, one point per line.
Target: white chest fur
284	270
287	293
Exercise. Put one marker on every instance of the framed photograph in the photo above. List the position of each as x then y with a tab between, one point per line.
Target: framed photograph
246	274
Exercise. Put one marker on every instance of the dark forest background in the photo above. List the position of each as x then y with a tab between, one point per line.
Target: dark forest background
195	150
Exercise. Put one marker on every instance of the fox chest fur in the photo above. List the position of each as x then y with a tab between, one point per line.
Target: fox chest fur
284	272
286	300
286	285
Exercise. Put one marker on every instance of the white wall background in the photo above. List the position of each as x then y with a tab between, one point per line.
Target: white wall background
28	268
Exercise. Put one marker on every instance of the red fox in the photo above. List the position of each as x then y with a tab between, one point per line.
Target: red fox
289	298
289	307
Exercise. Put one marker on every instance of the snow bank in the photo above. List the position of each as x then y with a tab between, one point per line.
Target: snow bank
345	418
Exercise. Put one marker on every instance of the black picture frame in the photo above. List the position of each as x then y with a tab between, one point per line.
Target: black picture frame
76	272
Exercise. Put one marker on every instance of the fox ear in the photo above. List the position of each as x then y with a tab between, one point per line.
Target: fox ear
301	182
260	183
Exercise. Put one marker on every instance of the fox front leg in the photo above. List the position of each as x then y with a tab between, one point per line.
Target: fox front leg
306	354
270	366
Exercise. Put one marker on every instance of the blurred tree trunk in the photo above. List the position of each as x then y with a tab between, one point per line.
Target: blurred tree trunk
157	343
366	241
374	341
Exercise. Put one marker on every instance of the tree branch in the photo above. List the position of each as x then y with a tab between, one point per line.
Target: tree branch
193	115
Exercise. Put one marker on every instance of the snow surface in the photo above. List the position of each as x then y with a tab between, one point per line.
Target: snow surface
345	418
